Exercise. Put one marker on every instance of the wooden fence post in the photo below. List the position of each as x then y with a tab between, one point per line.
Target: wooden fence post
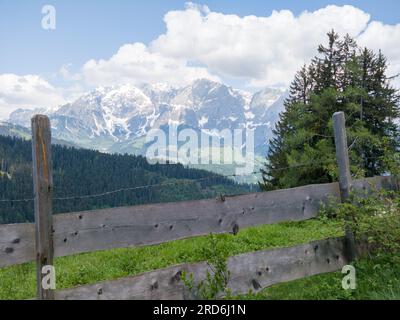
345	183
43	189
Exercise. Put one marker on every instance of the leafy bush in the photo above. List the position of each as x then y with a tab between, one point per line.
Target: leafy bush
373	217
215	284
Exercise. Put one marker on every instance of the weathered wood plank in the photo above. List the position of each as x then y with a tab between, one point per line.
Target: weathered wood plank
255	271
17	243
375	183
157	223
150	224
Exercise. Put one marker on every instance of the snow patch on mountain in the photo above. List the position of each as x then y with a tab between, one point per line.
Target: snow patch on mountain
109	118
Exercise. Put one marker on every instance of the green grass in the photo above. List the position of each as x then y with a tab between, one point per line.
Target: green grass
377	278
18	282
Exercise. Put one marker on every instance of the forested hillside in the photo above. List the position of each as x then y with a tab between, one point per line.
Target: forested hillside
78	172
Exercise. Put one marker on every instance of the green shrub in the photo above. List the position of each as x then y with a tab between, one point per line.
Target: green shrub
215	284
373	217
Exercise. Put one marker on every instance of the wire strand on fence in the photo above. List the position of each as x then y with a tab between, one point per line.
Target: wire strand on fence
78	197
16	200
187	181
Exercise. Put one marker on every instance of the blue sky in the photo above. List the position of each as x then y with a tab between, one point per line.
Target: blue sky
95	29
246	44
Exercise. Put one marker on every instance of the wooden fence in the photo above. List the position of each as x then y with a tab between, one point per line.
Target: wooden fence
72	233
249	271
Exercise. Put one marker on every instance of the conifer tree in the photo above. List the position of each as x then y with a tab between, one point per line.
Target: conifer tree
341	77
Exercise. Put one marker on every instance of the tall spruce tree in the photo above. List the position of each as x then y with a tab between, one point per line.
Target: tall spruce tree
341	77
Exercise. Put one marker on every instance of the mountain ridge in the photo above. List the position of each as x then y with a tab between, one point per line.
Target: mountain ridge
107	117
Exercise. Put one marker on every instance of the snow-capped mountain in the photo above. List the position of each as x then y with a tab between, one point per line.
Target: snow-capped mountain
116	119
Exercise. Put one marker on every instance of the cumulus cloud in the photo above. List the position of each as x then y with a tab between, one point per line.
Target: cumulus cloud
136	63
28	92
67	75
379	36
261	50
254	51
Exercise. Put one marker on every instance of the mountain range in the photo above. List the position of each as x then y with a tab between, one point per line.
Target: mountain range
117	118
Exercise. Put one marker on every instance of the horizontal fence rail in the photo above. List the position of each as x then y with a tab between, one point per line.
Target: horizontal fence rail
17	243
250	271
157	223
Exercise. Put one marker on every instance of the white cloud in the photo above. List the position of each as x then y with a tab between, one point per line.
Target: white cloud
66	74
28	92
379	36
136	63
254	51
260	50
